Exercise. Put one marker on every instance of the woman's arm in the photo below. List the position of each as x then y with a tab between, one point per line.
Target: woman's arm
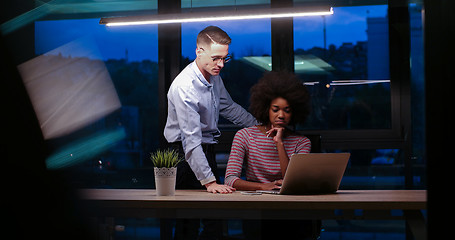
238	153
241	184
277	134
236	156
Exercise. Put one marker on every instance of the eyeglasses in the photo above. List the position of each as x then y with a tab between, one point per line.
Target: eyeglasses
219	59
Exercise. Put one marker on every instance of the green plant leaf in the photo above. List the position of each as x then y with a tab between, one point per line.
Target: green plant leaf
165	158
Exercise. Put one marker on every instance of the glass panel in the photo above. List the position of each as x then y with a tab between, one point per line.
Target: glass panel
344	60
249	38
109	149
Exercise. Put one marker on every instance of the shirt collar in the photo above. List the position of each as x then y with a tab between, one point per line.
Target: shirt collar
200	76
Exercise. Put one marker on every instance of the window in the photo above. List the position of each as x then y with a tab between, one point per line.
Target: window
356	105
343	59
360	105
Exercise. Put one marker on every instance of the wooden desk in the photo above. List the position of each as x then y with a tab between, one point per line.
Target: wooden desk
345	204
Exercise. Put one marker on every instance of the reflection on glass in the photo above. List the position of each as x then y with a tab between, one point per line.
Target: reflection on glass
69	92
83	55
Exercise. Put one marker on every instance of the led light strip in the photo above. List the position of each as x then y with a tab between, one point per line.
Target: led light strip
221	16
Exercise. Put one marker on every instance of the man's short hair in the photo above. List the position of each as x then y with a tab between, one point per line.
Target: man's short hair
213	34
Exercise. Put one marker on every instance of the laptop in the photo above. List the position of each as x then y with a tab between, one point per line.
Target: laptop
313	173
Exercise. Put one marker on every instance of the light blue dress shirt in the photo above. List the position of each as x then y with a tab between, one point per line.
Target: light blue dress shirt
194	106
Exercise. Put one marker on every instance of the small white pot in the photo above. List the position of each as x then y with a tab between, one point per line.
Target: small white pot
165	181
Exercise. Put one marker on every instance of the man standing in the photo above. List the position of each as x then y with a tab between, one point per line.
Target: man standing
196	98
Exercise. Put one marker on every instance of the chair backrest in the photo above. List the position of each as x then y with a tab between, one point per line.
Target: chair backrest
315	143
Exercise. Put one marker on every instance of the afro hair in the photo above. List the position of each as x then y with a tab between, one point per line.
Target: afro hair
280	84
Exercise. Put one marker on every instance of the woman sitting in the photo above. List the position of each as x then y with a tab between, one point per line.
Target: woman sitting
279	100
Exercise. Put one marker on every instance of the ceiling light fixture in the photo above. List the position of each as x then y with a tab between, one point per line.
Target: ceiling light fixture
217	16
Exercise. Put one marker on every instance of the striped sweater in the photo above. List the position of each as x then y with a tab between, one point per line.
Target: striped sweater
262	163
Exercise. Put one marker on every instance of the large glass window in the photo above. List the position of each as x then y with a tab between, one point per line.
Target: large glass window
106	149
343	59
103	139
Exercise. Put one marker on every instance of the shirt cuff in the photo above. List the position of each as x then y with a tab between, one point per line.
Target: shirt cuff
230	180
208	180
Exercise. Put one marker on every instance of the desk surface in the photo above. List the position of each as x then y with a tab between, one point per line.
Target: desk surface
200	199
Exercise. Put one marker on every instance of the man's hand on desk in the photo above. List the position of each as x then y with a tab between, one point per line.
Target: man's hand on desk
213	187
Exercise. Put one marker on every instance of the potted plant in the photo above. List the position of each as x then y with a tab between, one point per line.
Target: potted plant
165	162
